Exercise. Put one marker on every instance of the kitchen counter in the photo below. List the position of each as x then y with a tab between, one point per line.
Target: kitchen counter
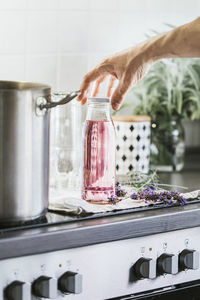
186	178
76	233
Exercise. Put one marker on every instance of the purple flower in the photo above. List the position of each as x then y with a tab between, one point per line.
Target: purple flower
153	186
144	194
119	192
182	200
175	194
149	194
134	196
112	199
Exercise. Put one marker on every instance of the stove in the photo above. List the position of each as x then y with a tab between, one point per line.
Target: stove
148	253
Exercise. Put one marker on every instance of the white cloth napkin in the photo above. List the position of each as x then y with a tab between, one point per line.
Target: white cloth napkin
71	202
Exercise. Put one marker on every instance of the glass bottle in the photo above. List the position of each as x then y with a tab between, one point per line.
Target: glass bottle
98	152
65	158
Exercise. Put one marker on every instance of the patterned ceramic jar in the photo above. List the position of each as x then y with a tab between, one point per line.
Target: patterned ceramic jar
132	143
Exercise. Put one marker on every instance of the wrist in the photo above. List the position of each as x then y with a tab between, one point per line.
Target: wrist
161	46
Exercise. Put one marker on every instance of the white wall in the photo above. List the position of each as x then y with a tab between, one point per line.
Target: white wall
57	41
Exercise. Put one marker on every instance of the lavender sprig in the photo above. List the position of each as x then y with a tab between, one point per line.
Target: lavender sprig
140	180
149	193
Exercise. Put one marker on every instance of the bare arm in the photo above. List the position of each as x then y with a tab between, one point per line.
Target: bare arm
130	65
183	41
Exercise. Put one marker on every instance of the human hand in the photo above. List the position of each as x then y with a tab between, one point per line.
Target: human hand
128	67
131	65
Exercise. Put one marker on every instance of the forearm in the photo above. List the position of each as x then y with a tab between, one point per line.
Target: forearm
130	65
183	41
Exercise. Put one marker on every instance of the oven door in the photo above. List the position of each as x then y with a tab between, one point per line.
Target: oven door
186	291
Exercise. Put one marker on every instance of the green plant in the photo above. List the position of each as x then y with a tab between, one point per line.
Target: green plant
170	89
169	93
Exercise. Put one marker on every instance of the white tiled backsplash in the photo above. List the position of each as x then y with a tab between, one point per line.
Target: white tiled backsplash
57	41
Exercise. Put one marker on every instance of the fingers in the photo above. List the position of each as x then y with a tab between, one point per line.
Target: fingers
110	86
87	79
84	99
120	91
97	84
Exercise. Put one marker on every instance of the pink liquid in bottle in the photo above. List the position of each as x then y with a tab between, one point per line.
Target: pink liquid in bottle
98	161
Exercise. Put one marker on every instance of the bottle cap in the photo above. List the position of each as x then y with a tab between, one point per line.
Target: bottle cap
99	100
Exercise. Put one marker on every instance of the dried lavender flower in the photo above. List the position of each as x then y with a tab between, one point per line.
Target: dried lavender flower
119	192
134	196
112	199
151	195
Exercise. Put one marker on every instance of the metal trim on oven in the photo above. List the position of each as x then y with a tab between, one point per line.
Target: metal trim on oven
183	291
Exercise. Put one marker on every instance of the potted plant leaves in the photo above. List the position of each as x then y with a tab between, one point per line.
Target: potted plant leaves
169	93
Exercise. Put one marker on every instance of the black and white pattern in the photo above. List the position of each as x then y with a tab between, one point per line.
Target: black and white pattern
132	146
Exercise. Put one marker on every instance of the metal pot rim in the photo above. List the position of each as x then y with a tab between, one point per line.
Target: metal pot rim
22	85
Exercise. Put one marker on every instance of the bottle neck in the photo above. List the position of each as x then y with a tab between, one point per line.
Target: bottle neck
98	112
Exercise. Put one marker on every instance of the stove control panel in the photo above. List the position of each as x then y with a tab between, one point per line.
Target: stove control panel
70	283
104	271
45	287
167	264
189	259
18	290
145	268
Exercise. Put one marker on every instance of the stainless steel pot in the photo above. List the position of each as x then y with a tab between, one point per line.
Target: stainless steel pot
24	149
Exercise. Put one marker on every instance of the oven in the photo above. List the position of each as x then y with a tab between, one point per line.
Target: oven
184	291
157	266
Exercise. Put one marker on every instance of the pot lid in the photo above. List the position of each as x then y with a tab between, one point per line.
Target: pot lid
22	85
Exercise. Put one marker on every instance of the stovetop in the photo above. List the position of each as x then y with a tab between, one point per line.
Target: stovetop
57	231
52	218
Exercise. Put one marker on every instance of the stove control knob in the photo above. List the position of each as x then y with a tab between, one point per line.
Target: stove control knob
189	259
45	287
145	268
18	290
167	263
70	283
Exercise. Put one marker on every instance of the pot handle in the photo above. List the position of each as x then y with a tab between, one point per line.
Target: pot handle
43	105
